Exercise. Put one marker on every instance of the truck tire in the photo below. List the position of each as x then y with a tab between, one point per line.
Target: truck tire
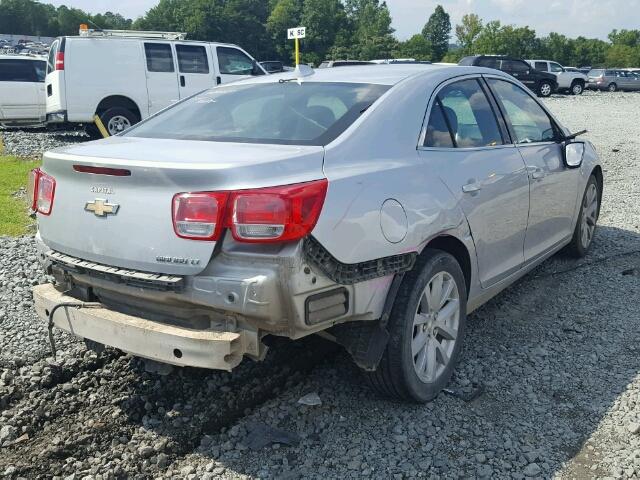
545	89
577	87
115	120
426	329
587	220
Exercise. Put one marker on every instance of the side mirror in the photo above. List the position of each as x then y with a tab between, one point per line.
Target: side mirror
573	154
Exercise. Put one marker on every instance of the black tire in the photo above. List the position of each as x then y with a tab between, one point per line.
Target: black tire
612	87
545	89
577	247
577	88
396	376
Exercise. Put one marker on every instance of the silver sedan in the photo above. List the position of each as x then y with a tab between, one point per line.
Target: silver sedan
375	205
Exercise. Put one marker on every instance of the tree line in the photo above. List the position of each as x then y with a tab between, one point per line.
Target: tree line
336	29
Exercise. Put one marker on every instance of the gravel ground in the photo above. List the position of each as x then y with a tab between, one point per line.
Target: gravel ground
32	142
557	356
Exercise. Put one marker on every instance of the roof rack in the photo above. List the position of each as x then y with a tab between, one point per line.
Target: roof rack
86	32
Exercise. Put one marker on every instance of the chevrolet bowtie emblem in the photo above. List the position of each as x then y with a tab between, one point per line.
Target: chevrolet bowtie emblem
101	208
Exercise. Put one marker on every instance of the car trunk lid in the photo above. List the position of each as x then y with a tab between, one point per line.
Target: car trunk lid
124	218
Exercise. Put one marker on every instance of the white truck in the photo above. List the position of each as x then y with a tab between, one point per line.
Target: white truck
125	76
573	82
21	89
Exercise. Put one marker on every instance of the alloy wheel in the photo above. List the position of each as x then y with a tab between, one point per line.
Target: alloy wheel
545	89
435	327
589	216
117	124
577	89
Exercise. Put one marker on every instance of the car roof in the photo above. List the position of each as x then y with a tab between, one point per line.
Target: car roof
384	74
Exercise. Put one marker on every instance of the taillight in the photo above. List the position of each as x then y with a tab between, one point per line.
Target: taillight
273	214
59	60
199	216
276	214
41	191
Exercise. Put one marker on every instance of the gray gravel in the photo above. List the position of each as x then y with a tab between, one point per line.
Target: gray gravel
557	355
33	142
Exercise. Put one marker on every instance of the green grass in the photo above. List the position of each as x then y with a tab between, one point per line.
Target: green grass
14	219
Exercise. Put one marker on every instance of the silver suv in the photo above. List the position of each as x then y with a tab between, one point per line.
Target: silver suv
613	80
376	205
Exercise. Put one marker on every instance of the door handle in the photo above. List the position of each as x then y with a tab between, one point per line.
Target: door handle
471	187
218	80
537	173
182	81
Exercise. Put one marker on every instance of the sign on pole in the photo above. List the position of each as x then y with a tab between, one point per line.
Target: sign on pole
296	34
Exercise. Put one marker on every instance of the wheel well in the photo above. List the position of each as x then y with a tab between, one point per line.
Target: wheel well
577	80
118	101
597	172
458	250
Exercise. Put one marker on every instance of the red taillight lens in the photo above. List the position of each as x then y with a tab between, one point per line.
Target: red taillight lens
199	216
60	61
276	214
41	190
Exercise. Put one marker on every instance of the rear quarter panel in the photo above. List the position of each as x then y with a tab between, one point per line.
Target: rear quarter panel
376	160
97	68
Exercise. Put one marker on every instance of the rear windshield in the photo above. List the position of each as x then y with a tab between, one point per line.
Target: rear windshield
288	113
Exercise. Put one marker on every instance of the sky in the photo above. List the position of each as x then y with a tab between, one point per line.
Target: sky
589	18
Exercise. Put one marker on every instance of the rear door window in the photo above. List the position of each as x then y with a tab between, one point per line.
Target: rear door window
467	114
234	62
17	70
515	66
488	63
192	59
542	66
529	121
159	57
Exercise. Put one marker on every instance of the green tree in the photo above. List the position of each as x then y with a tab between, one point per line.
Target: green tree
630	38
323	20
284	15
467	32
369	22
437	32
415	47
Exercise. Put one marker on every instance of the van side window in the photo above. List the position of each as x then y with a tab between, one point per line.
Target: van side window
17	71
41	70
528	120
233	62
159	57
192	59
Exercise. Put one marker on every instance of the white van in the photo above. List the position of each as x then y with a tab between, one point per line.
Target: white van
125	76
22	90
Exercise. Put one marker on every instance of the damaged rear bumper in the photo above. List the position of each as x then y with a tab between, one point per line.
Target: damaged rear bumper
149	339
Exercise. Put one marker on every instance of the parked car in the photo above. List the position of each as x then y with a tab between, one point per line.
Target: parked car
22	89
275	66
343	63
287	208
571	81
613	80
123	77
542	83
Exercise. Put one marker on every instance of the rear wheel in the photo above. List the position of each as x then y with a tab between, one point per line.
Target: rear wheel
545	89
115	120
612	87
577	88
587	219
426	329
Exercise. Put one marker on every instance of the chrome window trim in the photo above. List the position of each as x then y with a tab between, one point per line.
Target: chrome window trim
425	121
